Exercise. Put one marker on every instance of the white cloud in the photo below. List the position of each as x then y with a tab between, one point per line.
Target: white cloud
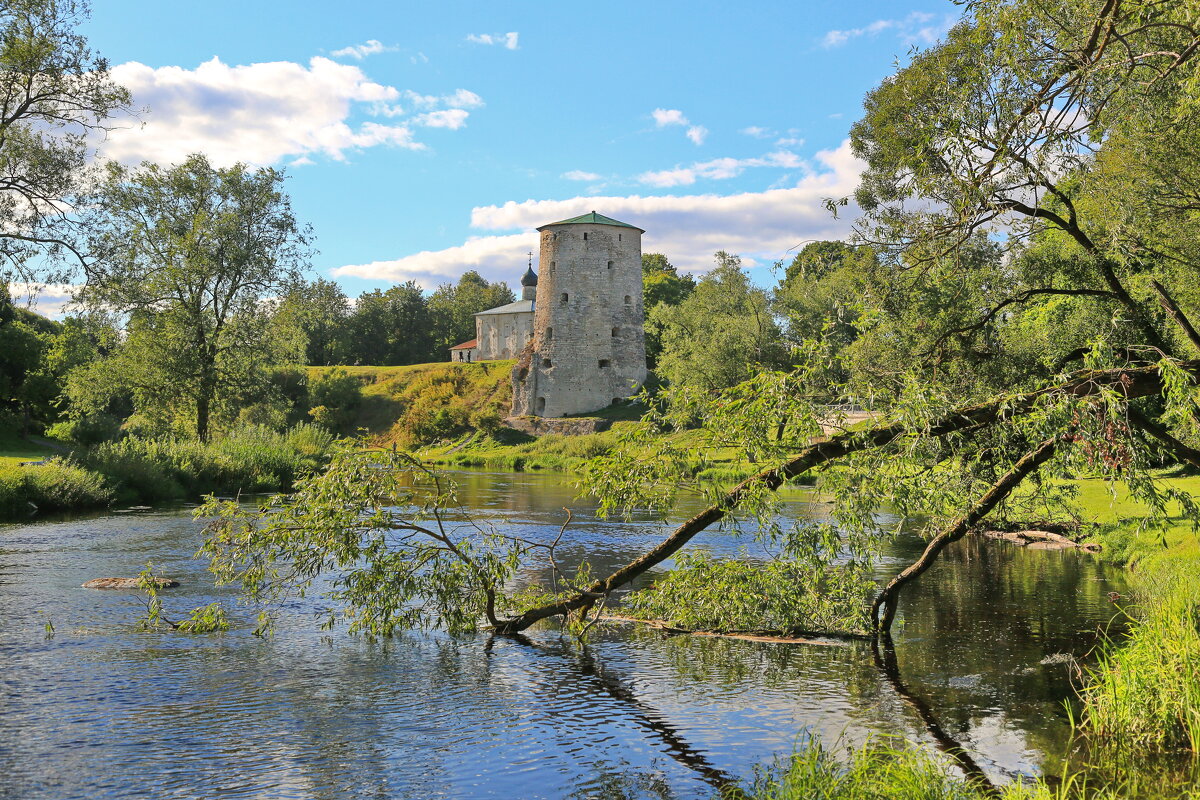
452	118
580	175
789	141
48	299
916	28
361	51
757	132
509	40
495	257
719	169
760	226
259	113
668	116
267	113
462	98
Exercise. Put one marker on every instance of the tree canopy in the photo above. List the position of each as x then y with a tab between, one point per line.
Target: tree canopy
191	253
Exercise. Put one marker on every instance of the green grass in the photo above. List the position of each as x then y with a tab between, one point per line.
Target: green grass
886	770
14	450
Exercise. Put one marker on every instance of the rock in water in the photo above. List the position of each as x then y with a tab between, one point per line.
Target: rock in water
128	583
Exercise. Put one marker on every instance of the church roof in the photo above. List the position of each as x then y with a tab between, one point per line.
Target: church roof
594	219
466	345
529	278
511	308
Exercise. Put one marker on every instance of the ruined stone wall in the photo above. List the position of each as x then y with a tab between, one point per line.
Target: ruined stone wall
503	335
589	345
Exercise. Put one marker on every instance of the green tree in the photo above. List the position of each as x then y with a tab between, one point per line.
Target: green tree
825	290
662	283
191	253
454	306
391	327
721	331
321	311
55	94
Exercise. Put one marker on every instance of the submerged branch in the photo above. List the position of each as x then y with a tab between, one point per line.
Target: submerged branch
890	594
1127	383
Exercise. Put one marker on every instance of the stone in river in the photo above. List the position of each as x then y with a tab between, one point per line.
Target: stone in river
127	583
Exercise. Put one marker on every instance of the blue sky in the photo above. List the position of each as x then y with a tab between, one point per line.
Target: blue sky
425	139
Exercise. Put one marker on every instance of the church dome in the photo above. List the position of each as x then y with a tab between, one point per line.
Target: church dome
529	278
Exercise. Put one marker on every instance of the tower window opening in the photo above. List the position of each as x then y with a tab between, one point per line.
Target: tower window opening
628	300
615	331
564	297
541	404
549	334
552	263
618	237
617	400
610	265
546	363
585	236
603	363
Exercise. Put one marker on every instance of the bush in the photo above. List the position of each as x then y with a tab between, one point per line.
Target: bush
335	398
251	459
56	486
86	431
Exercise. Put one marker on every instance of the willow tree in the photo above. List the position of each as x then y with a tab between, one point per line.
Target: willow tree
191	254
1063	133
56	101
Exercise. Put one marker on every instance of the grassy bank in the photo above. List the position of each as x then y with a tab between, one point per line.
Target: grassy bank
136	470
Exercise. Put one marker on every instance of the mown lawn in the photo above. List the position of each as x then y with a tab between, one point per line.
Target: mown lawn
14	450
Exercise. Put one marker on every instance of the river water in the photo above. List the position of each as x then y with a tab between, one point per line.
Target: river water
985	653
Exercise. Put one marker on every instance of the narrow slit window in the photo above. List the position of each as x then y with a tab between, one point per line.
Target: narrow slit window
628	300
585	236
546	363
610	265
618	237
549	334
541	404
603	363
615	331
565	296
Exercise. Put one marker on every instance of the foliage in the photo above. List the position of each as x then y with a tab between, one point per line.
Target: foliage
335	397
203	619
57	93
719	333
381	537
391	327
190	253
321	311
787	595
56	486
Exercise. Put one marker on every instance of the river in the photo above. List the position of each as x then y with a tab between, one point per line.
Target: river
987	642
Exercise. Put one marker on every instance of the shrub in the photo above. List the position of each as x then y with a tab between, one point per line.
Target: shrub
56	486
86	431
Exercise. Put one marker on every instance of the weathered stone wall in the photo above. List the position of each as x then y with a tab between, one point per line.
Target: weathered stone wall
571	426
502	336
589	345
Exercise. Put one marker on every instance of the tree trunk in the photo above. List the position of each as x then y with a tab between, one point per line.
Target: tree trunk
1127	383
890	595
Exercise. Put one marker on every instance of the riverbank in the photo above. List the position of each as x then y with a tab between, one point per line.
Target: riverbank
143	471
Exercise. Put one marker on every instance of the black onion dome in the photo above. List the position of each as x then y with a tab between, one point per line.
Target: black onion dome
529	278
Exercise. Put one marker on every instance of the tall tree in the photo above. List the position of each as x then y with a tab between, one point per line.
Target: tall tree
191	253
392	327
55	94
720	332
321	310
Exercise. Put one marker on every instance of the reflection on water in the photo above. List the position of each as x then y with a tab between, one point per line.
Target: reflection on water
101	709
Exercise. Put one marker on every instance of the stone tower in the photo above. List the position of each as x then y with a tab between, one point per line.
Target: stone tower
589	346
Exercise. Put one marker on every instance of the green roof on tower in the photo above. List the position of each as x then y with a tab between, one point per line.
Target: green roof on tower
594	219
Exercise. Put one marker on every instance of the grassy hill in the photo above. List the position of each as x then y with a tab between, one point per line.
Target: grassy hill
420	403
